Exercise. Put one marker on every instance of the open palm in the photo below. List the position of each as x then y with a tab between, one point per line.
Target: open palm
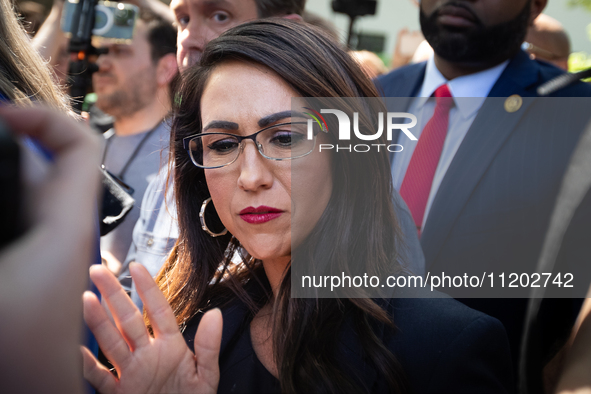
144	364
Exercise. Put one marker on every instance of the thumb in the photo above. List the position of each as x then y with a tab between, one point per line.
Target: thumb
208	340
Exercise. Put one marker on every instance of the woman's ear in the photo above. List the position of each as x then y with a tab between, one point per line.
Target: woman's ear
293	17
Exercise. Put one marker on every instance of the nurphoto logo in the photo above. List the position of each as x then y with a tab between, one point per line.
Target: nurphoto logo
392	120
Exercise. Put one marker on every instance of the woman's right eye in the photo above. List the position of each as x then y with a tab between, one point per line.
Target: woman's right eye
222	146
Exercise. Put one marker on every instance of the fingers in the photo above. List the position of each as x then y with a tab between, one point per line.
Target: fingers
54	130
127	317
208	340
112	262
108	337
75	179
158	310
97	374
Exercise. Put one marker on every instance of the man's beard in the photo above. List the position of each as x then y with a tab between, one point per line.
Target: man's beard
480	45
139	91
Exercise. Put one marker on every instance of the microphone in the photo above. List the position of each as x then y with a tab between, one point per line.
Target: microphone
562	81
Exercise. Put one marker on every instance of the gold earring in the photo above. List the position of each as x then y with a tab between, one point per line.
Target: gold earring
202	220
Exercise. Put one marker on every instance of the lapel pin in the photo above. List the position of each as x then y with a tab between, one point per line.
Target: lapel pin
513	103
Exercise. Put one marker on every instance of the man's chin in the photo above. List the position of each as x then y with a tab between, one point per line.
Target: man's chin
108	105
104	107
103	91
455	31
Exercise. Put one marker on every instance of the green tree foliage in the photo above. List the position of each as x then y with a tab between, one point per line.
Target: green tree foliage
579	61
580	3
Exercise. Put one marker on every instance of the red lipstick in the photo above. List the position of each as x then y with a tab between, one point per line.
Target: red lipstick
260	214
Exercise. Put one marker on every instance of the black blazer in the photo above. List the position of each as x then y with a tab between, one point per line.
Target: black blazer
493	206
566	249
442	345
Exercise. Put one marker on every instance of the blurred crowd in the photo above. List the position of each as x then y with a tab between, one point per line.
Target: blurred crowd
501	182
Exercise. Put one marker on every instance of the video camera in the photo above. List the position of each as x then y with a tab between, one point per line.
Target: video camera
84	19
112	20
354	9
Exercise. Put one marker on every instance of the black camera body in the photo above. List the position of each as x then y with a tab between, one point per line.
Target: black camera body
10	187
355	8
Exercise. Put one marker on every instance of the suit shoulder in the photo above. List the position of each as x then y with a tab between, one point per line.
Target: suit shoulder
401	72
390	84
446	346
444	316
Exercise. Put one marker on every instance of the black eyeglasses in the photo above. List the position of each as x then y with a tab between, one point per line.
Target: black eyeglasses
283	141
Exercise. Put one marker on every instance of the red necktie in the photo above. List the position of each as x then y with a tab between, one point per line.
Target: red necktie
417	182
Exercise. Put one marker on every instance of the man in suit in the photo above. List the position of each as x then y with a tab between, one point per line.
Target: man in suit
487	165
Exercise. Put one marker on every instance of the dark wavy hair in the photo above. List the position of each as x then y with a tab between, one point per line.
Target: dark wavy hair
269	8
199	273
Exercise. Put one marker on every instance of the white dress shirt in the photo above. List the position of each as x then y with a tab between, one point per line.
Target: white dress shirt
469	93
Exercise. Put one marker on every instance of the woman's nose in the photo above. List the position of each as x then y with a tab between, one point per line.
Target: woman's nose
255	173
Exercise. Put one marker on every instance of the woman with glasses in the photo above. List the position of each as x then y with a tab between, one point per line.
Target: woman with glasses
258	199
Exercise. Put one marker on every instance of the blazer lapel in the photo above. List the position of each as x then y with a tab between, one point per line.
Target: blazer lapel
520	75
404	82
490	130
398	98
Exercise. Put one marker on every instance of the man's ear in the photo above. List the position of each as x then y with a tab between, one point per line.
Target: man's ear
166	69
293	17
537	6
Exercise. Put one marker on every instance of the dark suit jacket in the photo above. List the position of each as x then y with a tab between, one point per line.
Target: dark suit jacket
566	249
442	346
494	203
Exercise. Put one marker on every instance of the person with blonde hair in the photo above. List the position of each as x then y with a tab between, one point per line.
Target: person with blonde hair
24	76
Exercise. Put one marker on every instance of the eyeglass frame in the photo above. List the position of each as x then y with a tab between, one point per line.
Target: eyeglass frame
240	138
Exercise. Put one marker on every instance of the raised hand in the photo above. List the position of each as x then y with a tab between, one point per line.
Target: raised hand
145	364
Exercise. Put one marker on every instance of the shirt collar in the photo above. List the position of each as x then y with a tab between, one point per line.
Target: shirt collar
471	89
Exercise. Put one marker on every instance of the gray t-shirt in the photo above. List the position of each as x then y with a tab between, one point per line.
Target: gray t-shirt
142	168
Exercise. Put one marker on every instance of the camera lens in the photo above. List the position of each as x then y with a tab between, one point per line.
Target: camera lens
100	19
124	17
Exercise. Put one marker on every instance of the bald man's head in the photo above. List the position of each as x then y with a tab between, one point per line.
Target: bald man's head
548	41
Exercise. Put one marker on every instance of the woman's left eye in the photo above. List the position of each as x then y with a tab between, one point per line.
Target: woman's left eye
283	139
286	139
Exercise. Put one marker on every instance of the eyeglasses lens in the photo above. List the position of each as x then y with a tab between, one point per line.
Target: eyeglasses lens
281	142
